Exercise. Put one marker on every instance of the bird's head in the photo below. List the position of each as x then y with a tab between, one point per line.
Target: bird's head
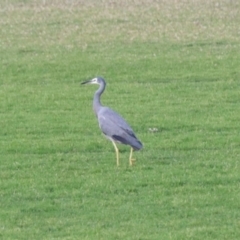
96	80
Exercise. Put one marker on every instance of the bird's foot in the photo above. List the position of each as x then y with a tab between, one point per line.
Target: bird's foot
132	161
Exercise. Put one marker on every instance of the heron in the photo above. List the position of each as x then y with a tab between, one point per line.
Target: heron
113	126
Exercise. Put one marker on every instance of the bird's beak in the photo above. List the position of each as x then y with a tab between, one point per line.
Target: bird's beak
86	82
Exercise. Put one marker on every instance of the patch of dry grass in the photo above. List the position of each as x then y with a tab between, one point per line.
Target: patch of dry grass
79	23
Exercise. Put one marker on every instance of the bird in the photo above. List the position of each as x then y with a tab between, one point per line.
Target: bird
112	124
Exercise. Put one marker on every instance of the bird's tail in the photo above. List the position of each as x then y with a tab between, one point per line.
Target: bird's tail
137	145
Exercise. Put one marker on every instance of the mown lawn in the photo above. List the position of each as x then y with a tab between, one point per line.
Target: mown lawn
169	65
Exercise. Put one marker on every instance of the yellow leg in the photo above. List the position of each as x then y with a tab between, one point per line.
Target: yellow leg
117	152
131	160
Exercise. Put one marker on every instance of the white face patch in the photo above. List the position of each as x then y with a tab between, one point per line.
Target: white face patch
94	81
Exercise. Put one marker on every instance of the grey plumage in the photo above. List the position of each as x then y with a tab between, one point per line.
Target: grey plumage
113	126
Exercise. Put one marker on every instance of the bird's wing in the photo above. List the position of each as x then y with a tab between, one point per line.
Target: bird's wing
111	123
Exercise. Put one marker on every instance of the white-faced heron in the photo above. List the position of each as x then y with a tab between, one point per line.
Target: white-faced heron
113	126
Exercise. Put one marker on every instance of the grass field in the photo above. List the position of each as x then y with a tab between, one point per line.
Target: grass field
171	65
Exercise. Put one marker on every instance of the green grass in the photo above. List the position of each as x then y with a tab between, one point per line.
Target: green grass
172	65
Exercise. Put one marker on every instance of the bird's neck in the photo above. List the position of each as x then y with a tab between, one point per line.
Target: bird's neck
96	100
96	103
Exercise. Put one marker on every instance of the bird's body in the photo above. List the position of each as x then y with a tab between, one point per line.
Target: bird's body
113	126
118	130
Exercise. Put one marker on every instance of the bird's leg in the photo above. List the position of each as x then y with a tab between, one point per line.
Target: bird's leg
117	152
131	160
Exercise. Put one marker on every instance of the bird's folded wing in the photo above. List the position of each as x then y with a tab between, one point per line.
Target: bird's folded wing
111	123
